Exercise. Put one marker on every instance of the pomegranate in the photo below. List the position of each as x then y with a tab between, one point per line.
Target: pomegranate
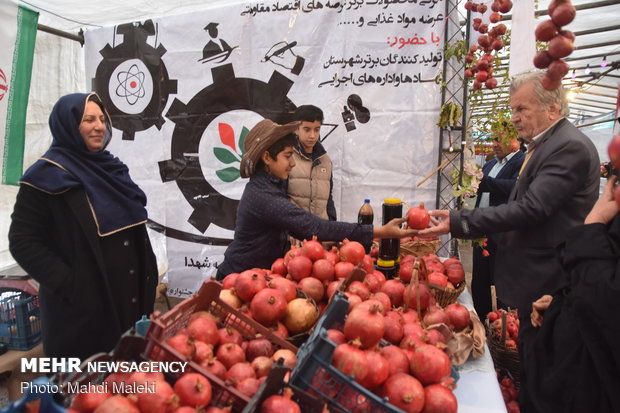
116	404
278	267
88	402
183	344
385	301
332	256
393	330
550	83
343	269
459	315
279	330
353	300
299	267
268	306
336	336
286	287
292	253
313	249
288	357
280	404
230	297
352	251
193	389
396	358
455	273
436	315
229	280
380	370
437	278
395	290
439	399
351	360
405	272
230	354
203	352
374	280
560	47
333	287
215	367
301	314
313	288
204	329
563	14
260	346
366	325
429	364
558	69
413	329
410	316
248	386
162	401
613	150
360	289
404	392
435	266
262	365
418	217
323	270
229	335
239	372
546	31
248	283
434	337
417	296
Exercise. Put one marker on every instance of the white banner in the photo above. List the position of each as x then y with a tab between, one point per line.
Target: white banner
184	90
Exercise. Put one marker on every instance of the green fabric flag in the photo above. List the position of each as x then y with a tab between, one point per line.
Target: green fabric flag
18	31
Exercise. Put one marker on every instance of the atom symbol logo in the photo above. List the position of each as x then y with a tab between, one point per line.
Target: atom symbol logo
131	84
131	87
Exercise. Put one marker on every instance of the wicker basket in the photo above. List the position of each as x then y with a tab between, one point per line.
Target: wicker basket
446	296
419	248
503	357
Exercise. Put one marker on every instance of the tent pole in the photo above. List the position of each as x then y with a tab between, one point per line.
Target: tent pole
77	37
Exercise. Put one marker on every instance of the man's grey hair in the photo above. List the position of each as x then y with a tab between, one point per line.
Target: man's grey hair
543	96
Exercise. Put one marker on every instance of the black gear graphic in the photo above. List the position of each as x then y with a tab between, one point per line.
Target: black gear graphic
134	46
226	93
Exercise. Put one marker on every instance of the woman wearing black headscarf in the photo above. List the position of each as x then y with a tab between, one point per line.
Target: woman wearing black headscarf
78	229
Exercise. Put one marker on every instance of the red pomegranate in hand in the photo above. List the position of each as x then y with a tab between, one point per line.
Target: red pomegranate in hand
418	218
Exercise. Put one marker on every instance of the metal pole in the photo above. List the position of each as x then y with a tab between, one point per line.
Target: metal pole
77	37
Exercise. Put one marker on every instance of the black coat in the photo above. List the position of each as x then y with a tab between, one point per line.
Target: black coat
92	289
500	187
572	361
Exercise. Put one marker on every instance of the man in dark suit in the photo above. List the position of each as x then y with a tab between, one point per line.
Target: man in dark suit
500	175
557	186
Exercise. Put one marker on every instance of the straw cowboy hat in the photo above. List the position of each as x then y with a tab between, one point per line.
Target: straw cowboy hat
264	134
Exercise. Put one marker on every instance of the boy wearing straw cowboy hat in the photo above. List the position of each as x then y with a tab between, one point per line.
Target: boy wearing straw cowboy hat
266	217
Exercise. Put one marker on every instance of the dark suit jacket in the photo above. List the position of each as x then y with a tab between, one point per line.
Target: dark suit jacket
499	188
555	192
83	306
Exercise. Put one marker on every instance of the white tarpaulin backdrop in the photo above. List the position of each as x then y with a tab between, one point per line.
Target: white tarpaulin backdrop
182	90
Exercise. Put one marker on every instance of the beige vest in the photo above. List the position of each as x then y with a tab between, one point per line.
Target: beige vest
308	187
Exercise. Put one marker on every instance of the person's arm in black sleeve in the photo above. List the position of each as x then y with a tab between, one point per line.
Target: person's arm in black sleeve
29	242
331	208
556	181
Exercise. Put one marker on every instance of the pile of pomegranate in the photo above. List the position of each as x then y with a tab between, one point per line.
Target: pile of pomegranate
190	393
560	45
394	353
512	326
510	394
270	296
489	41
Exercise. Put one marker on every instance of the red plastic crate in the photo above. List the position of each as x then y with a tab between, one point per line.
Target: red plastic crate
206	299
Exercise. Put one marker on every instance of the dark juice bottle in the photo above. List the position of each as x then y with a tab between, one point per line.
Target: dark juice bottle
365	214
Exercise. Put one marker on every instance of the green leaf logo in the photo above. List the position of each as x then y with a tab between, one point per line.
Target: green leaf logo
229	154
